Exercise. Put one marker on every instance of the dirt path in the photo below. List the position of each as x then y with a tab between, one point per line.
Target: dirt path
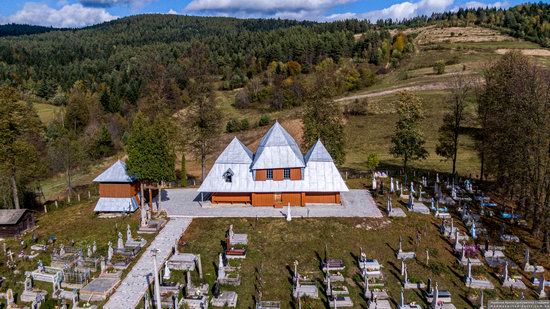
426	87
528	52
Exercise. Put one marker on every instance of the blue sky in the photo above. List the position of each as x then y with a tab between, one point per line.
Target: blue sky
79	13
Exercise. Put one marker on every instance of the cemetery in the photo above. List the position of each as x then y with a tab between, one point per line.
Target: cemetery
314	262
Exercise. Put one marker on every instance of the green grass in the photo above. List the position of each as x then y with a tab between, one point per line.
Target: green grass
275	244
490	45
46	112
372	134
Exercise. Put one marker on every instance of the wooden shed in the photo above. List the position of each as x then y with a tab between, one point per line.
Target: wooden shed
118	191
13	222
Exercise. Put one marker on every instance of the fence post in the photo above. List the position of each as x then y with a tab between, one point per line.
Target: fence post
69	198
56	206
78	197
89	195
45	208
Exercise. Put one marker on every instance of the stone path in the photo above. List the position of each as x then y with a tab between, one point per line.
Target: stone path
185	203
132	289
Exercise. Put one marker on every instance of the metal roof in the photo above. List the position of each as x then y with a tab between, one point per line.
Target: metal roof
318	153
319	174
11	216
236	152
116	204
277	149
116	173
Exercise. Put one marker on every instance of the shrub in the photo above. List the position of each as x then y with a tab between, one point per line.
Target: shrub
356	108
232	125
264	120
439	67
372	161
244	124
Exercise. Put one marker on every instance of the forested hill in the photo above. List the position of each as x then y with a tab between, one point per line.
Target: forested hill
18	29
529	21
121	50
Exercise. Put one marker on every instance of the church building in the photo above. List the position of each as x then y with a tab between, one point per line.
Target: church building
278	174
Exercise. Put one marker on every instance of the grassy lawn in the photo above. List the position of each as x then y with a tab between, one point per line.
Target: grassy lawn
46	112
76	222
372	134
275	244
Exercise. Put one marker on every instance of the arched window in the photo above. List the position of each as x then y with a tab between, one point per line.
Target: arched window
228	175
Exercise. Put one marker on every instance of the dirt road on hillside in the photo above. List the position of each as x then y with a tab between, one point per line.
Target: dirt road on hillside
426	87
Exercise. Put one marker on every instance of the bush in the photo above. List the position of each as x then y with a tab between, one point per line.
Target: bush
232	125
454	60
244	124
264	120
356	108
372	161
439	67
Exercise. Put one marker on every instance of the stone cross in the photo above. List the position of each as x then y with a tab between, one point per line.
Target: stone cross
427	257
129	237
540	290
28	282
221	268
89	253
469	270
391	185
527	257
406	275
373	182
120	242
463	252
481	300
110	251
75	298
389	206
435	299
62	250
94	247
230	232
9	298
505	277
473	231
143	212
102	265
288	215
400	244
167	273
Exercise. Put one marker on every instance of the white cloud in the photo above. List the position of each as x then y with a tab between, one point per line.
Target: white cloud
477	4
171	11
399	10
68	16
295	9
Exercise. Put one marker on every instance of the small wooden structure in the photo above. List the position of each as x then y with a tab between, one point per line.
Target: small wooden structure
118	191
13	222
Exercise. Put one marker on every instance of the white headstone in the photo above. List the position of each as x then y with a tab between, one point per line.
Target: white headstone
167	273
120	242
288	214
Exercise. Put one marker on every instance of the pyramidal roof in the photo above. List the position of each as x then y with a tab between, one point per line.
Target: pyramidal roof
318	153
277	149
116	173
235	152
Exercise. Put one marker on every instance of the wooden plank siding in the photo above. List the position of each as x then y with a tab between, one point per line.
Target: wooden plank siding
118	189
231	198
263	199
322	198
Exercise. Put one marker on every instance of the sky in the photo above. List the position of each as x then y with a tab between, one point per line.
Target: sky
81	13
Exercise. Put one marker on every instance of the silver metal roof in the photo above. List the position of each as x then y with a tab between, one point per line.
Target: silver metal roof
318	153
277	149
236	152
319	175
116	204
116	173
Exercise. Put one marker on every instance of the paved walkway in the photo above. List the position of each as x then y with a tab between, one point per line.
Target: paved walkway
185	203
132	289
